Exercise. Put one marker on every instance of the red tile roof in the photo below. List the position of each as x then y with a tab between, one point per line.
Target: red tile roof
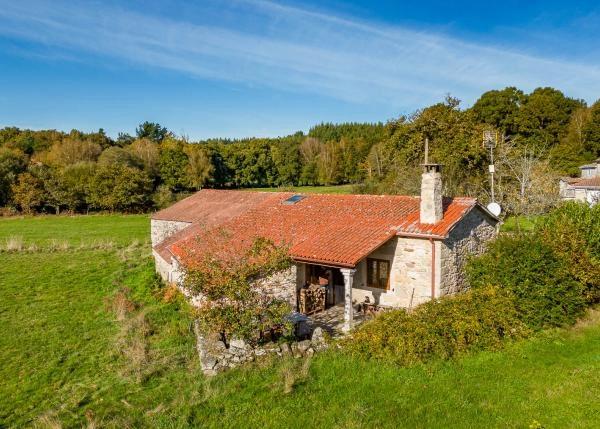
211	207
570	180
335	230
593	182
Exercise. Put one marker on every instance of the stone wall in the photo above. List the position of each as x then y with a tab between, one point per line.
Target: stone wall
593	197
161	229
282	285
162	267
410	271
570	193
216	356
469	237
169	271
410	274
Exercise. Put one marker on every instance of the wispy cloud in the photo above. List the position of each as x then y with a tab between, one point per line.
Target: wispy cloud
283	47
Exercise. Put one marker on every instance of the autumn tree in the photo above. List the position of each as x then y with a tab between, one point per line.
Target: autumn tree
119	156
28	192
234	300
55	193
76	179
148	152
28	141
124	139
526	182
199	168
172	164
454	141
329	163
309	152
73	150
12	163
100	138
591	131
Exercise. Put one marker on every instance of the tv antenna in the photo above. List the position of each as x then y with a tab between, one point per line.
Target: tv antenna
427	166
490	139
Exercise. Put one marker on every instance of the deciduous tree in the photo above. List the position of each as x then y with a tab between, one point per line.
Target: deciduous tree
172	164
12	163
120	188
591	130
73	150
28	192
199	168
148	152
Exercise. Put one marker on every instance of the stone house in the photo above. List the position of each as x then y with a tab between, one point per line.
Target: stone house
585	188
399	251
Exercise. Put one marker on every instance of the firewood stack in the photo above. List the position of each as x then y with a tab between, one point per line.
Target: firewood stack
311	299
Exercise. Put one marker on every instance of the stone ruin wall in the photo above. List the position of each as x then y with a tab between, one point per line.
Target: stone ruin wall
215	356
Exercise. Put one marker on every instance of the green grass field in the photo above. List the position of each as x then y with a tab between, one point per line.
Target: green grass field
519	223
76	352
76	231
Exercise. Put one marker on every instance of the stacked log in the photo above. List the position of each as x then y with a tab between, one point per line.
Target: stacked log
311	299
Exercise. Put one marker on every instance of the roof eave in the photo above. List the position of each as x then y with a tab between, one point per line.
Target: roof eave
485	210
425	235
421	235
322	262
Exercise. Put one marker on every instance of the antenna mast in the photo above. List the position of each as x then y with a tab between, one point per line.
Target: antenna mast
489	142
490	139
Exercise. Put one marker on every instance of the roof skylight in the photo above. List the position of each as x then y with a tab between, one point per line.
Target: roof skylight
294	199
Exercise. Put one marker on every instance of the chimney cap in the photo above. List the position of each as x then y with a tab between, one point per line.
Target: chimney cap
431	167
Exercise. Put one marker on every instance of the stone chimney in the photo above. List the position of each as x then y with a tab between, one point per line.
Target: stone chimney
431	194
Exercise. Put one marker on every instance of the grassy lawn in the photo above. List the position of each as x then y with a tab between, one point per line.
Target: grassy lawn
74	354
519	223
75	230
337	189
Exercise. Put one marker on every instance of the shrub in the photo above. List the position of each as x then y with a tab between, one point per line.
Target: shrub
573	232
475	320
546	292
234	303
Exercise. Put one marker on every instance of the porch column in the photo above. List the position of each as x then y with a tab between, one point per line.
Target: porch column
348	274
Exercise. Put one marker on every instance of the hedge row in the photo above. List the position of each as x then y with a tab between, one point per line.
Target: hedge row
475	320
546	292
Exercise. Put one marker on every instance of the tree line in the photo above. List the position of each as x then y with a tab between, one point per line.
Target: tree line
540	136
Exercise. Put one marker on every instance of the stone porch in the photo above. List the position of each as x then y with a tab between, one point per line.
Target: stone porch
332	321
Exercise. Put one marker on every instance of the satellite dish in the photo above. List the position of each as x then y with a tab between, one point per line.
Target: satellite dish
494	208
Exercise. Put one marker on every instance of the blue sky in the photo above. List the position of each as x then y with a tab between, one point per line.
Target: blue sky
218	68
